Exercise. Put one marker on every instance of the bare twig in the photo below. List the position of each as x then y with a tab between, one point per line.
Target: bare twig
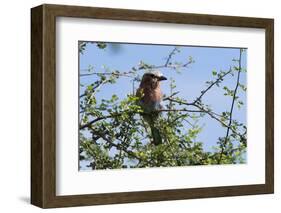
131	74
178	101
203	110
123	74
170	56
89	124
95	88
170	66
170	96
220	78
92	95
231	108
177	110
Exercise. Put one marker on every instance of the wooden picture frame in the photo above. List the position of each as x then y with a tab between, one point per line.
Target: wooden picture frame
43	105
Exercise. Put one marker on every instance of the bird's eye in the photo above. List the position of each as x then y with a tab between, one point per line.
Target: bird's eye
150	75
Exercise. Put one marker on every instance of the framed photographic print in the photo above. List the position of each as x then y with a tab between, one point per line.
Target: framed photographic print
136	106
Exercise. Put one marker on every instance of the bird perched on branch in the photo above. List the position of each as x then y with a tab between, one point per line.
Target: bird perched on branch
150	95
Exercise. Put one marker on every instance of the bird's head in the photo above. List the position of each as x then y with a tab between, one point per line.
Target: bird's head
152	78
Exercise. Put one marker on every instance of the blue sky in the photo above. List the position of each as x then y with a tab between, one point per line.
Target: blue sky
189	83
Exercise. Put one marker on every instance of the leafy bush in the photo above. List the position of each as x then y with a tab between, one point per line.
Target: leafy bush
113	133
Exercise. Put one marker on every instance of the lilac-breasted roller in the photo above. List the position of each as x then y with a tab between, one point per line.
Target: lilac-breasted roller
150	95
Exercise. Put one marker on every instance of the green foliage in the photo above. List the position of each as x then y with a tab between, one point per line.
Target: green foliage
114	135
83	44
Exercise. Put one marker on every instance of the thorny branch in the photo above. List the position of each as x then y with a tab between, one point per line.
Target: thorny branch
170	56
128	74
231	108
114	115
117	146
132	73
207	111
218	80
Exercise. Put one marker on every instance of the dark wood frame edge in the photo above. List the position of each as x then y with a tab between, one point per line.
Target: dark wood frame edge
43	104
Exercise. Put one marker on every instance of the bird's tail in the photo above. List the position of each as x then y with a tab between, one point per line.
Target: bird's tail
156	135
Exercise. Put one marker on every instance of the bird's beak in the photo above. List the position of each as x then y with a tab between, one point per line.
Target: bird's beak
162	78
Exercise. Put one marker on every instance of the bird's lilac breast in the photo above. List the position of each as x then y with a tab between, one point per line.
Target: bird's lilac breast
151	99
